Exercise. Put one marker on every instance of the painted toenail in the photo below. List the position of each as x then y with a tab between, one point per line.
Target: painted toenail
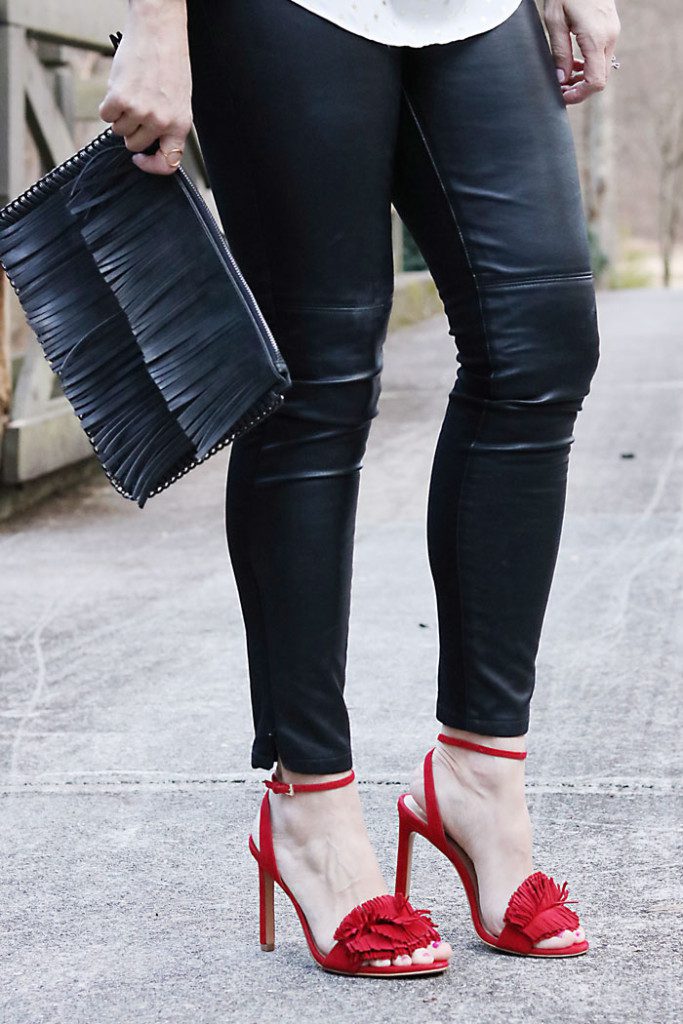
423	956
443	951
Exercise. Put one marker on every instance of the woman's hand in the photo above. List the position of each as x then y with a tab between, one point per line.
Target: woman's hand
150	84
596	25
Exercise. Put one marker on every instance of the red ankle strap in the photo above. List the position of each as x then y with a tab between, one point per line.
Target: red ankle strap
452	741
290	788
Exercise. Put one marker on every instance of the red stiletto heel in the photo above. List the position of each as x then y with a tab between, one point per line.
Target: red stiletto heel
537	909
382	928
266	910
404	861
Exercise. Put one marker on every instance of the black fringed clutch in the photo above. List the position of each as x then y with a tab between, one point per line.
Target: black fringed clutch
142	312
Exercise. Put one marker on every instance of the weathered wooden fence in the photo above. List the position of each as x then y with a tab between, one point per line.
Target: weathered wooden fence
48	109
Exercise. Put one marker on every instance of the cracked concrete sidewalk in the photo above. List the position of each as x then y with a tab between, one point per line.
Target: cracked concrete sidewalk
127	891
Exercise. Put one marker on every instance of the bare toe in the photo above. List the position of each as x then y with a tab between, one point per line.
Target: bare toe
565	938
423	956
402	961
442	950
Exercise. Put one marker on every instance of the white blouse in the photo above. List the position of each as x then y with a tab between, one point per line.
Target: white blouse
413	22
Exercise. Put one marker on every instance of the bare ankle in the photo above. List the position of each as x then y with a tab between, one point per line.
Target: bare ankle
516	743
478	770
285	775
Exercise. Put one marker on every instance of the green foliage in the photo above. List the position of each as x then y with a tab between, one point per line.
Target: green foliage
599	260
630	272
412	257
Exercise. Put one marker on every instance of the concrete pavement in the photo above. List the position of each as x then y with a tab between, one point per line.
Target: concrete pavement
127	892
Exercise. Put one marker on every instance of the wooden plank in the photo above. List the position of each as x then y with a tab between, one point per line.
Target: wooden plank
84	23
32	448
12	126
36	380
49	127
12	182
34	384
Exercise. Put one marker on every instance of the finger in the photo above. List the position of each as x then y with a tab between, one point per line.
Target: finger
126	124
111	108
560	44
159	163
594	72
577	76
577	69
577	93
151	164
154	164
173	146
141	138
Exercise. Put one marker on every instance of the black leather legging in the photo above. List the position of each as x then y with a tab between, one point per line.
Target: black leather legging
309	133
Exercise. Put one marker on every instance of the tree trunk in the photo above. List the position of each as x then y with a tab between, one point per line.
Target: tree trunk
598	149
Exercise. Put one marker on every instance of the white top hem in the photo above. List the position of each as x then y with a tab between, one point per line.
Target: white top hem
414	23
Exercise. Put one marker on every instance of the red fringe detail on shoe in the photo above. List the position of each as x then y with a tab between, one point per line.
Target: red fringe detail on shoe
385	927
538	908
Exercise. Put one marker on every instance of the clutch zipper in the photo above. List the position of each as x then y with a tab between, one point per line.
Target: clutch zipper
247	294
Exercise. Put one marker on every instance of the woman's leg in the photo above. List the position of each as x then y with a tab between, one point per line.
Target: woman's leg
297	121
487	183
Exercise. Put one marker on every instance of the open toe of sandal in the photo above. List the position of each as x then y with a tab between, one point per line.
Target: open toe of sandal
538	911
385	928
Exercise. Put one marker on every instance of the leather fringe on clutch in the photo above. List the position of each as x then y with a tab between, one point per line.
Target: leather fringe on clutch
143	314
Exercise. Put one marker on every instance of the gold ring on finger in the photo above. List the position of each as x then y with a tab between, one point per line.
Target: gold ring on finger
167	155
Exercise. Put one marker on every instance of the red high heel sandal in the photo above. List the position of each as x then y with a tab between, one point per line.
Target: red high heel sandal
384	927
537	909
